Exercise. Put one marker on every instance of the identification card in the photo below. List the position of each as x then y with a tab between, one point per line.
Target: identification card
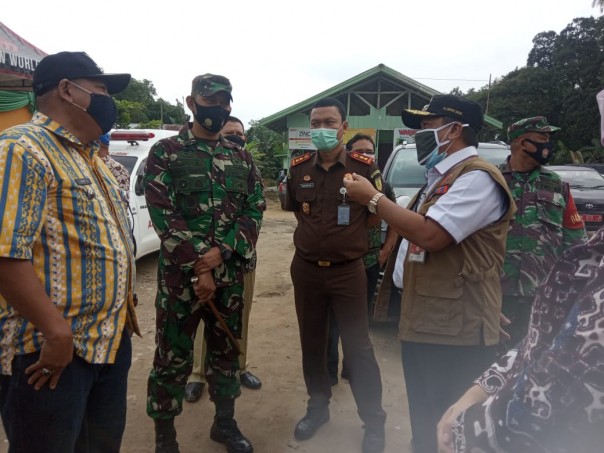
343	214
416	254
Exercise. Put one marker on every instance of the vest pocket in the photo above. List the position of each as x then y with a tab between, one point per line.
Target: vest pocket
550	212
437	306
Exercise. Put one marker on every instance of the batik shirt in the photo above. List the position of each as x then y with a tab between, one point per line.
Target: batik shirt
62	211
120	173
548	396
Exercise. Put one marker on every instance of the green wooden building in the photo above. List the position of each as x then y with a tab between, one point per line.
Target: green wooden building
373	99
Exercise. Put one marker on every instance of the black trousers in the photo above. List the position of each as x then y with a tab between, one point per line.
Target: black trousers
436	376
342	290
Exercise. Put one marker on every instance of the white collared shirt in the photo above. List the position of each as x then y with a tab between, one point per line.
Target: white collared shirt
474	201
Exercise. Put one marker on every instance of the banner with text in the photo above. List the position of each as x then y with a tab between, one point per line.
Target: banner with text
403	135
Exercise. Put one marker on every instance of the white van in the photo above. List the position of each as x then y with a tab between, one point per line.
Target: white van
130	147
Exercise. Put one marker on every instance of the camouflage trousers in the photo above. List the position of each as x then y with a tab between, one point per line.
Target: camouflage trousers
178	313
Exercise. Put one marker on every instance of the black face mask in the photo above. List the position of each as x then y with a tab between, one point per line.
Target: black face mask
102	109
235	139
539	155
211	118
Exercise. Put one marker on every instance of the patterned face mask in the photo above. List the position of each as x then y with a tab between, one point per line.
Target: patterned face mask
544	151
211	118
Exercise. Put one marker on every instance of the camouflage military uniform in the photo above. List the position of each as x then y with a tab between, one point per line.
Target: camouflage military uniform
199	197
546	224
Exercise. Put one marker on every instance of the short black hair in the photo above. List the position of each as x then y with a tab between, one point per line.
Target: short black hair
234	119
331	102
358	137
468	134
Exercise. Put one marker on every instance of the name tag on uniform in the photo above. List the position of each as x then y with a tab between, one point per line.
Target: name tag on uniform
416	254
344	214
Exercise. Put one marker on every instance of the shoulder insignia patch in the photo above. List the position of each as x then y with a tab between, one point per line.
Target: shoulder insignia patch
361	158
442	189
572	219
298	160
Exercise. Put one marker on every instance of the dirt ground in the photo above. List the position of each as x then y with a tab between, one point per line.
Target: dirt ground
267	416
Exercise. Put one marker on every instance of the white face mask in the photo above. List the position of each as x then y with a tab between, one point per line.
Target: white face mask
427	142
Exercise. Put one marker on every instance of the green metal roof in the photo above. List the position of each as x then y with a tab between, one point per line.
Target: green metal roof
380	69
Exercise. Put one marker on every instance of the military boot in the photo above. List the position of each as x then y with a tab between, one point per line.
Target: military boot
225	430
165	436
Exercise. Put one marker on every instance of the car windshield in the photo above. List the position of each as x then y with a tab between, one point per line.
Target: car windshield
127	161
406	176
582	179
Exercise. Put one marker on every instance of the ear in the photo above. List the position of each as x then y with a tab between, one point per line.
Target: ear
64	90
190	103
344	125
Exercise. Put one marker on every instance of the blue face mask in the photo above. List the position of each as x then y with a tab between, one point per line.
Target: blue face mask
325	139
434	158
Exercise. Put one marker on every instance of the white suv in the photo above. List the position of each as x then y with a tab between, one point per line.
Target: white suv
406	176
130	147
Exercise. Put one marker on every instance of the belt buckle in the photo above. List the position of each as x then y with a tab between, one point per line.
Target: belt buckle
324	263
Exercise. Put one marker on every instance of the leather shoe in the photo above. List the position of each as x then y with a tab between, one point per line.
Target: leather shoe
226	432
250	381
374	440
312	421
193	391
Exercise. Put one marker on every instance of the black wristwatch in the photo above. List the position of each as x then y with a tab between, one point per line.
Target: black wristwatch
225	252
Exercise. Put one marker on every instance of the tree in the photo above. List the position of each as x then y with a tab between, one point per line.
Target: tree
543	50
267	148
137	104
563	74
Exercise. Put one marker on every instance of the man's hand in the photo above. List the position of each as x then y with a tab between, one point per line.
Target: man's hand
384	254
55	355
211	259
204	287
503	335
444	429
359	189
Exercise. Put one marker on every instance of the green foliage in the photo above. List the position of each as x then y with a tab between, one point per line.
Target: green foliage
137	104
267	148
564	73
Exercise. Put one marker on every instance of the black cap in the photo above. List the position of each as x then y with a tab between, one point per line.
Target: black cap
74	65
464	110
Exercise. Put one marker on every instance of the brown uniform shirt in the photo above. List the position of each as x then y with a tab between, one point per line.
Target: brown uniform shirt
314	193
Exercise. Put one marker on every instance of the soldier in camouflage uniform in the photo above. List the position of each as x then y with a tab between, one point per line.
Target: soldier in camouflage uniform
546	223
205	199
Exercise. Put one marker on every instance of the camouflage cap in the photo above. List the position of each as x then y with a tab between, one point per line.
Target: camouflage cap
534	124
209	84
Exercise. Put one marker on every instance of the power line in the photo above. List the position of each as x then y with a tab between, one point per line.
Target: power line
459	80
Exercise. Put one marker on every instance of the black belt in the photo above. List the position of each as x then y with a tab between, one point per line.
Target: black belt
325	263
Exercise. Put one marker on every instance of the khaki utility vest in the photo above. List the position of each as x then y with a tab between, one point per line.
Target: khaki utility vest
454	297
